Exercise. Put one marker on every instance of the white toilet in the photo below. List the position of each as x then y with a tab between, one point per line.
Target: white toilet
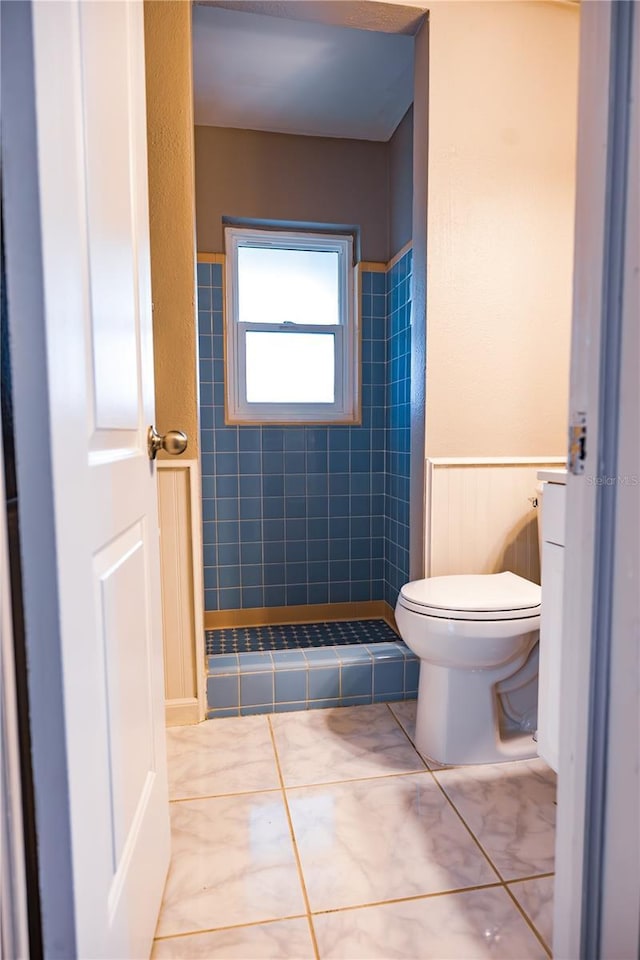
477	640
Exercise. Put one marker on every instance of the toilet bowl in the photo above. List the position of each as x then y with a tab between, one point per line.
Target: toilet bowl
477	640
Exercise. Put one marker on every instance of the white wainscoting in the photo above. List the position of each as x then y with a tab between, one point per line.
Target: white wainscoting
479	516
182	590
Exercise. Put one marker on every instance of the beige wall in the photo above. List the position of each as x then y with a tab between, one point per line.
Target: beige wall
171	207
502	140
276	176
401	184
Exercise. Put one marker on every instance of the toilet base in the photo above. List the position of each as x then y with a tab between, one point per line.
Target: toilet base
457	720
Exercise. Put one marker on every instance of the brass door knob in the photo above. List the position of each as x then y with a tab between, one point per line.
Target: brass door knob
173	442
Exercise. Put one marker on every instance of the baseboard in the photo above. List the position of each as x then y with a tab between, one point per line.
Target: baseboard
305	613
388	615
179	713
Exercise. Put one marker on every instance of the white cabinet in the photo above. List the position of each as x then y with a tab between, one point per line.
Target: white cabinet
549	679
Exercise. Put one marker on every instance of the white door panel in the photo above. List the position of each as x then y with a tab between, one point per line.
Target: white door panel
107	53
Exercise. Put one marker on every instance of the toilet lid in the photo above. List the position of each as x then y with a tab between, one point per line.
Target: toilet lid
491	596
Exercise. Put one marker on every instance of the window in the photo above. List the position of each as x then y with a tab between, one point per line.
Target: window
291	337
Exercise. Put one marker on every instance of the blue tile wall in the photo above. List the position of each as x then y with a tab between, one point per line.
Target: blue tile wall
398	428
310	514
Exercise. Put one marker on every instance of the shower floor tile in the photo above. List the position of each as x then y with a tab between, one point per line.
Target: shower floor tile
296	636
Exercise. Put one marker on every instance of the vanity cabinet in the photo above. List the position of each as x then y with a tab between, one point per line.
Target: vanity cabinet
549	679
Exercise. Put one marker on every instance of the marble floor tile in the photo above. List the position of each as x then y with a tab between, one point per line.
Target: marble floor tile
368	840
280	940
474	924
234	755
510	807
536	899
232	863
319	746
405	712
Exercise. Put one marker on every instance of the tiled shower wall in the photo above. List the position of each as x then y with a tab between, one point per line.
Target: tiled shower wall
397	439
296	515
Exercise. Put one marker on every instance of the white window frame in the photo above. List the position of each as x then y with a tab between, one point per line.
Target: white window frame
345	408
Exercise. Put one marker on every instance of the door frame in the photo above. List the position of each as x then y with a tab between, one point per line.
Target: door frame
597	890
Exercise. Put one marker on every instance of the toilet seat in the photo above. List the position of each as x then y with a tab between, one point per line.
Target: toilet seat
492	596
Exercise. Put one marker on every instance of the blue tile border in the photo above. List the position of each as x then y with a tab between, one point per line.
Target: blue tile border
286	680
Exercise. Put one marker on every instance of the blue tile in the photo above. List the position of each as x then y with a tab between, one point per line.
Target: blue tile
388	697
324	682
273	550
211	599
223	663
249	438
256	662
275	595
388	677
294	438
295	484
272	461
252	711
297	594
318	593
222	692
274	573
204	298
229	577
411	676
229	598
317	656
356	701
228	553
249	508
251	573
272	438
386	651
295	528
339	592
353	653
323	704
256	688
290	707
357	680
290	685
286	659
318	550
250	462
250	531
250	485
294	461
252	597
273	485
220	714
204	274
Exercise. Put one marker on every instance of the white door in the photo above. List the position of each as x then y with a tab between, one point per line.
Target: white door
92	202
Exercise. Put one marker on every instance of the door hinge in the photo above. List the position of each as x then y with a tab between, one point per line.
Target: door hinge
577	442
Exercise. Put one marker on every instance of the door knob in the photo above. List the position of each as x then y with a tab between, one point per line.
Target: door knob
173	442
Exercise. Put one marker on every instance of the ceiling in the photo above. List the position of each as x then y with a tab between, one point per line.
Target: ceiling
261	72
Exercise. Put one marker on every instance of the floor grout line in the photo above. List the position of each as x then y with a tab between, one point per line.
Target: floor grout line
223	796
528	920
503	882
303	884
233	926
